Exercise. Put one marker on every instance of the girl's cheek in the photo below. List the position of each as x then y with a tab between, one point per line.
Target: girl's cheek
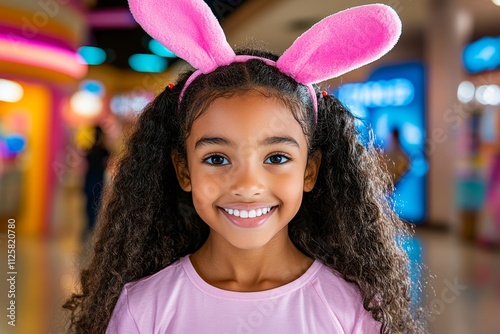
209	187
290	184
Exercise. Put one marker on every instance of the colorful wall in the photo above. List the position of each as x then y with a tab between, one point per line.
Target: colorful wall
38	43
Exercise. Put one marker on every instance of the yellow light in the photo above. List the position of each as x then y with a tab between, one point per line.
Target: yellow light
10	91
84	137
496	2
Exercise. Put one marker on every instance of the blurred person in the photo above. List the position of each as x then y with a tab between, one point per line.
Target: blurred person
395	158
97	158
245	190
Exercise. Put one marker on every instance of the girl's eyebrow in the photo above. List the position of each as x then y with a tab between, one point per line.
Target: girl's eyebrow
279	140
203	141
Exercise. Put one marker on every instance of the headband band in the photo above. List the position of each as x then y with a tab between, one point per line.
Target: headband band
242	59
335	45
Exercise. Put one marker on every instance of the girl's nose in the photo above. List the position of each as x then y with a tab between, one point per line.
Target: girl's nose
248	182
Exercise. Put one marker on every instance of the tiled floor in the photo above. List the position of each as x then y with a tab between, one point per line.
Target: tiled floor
463	289
462	292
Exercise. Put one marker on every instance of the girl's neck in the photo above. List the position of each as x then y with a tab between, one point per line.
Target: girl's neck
224	266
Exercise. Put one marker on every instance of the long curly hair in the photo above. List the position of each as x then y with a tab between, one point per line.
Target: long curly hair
347	222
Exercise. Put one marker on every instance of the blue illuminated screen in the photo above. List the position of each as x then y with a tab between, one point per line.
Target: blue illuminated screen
392	104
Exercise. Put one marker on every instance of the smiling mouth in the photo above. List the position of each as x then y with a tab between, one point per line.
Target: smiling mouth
248	218
248	213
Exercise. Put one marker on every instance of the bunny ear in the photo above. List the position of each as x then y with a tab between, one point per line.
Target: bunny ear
187	28
341	42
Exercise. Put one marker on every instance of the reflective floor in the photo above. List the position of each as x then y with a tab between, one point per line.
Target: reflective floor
461	293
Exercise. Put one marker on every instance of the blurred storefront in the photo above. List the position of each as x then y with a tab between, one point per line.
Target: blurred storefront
39	69
478	170
52	97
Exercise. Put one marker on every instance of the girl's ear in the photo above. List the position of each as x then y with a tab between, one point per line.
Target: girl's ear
182	171
312	170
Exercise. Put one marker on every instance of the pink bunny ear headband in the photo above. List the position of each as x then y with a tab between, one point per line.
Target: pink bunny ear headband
337	44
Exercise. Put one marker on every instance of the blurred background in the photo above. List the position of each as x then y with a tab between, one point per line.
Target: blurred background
75	74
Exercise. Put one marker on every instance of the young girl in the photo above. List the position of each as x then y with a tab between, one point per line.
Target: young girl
245	204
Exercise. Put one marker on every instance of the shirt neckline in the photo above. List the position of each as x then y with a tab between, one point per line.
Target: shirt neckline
213	291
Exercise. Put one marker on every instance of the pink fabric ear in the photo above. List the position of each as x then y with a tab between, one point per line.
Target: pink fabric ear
341	42
187	28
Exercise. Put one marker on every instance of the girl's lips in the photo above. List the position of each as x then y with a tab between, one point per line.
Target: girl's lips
247	207
248	222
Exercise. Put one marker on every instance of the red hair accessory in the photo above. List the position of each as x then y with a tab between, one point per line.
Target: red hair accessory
171	85
324	93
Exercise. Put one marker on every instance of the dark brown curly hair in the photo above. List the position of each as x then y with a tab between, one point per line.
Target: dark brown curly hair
147	222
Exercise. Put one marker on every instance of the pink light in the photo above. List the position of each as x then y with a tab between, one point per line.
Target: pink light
111	18
42	55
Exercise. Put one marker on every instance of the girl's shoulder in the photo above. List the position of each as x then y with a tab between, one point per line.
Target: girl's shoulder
141	303
335	289
344	301
168	278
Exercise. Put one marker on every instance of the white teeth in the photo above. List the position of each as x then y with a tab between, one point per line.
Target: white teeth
248	214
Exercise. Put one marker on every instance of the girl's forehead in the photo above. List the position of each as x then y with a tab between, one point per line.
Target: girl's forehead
249	116
246	106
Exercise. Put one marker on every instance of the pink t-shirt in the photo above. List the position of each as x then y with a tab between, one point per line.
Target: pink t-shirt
177	300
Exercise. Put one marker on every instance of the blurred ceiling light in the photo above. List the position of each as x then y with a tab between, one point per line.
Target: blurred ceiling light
492	95
147	63
10	91
496	2
488	95
92	55
86	104
93	86
482	55
465	92
130	104
160	50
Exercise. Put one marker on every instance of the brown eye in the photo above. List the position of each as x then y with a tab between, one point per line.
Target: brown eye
276	159
216	160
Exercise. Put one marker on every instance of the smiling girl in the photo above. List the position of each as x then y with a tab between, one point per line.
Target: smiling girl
246	204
